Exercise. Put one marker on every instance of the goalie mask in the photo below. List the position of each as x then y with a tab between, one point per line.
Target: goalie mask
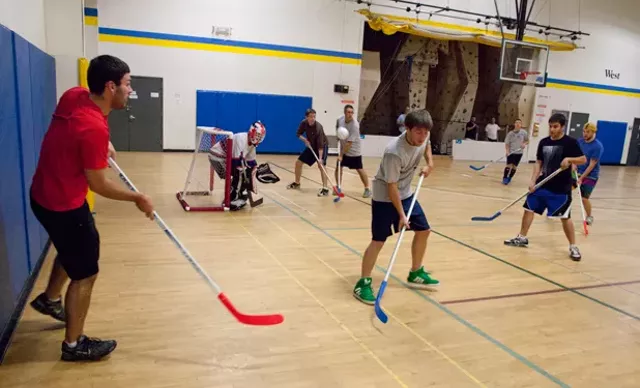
256	133
265	175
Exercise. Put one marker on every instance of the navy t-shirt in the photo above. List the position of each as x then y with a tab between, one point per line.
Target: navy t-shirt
551	153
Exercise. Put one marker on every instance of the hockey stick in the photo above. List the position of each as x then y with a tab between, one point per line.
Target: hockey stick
499	212
339	174
256	320
493	161
584	218
252	201
335	188
379	313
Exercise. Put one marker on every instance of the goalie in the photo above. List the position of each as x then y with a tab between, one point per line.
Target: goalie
243	163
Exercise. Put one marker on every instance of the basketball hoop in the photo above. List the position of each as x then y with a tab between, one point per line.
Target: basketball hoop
529	77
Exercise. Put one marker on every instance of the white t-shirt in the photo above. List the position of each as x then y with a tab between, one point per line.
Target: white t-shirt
492	131
241	148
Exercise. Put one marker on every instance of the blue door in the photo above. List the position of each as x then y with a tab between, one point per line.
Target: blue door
612	135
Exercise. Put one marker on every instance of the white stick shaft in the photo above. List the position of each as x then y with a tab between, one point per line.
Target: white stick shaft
536	187
396	248
168	231
322	166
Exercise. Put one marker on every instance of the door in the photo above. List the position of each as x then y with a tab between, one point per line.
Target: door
138	127
633	158
577	123
612	135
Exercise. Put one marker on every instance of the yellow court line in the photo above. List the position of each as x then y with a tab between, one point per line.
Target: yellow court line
369	351
421	338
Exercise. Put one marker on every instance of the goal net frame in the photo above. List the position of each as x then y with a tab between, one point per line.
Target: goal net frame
206	137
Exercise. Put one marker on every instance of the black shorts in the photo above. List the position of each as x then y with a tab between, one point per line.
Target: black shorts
307	157
514	159
352	162
75	237
384	217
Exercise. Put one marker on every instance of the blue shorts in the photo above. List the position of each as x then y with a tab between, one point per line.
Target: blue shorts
556	205
384	216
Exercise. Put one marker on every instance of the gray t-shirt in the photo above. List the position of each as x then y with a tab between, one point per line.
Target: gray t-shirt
354	136
398	164
514	140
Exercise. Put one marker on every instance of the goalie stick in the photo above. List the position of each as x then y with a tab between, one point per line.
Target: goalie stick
256	320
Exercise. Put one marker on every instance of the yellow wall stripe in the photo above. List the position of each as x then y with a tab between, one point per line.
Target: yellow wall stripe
225	48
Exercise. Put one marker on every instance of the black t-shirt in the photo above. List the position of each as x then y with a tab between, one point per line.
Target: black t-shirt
551	153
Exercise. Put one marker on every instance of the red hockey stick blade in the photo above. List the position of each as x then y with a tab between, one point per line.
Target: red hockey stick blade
256	320
586	229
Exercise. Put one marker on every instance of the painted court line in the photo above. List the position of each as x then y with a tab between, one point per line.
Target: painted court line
418	336
291	202
461	320
338	321
557	290
598	301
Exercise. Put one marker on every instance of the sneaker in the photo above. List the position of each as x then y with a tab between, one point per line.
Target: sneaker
420	278
293	185
87	349
43	305
574	253
518	241
367	193
589	220
364	292
323	192
504	181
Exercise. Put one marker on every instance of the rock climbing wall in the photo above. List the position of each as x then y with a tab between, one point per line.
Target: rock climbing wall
369	80
489	88
455	93
421	54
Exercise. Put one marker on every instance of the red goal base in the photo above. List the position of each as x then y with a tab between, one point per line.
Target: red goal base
185	205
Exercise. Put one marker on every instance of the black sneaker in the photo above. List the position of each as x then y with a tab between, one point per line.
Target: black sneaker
88	349
43	305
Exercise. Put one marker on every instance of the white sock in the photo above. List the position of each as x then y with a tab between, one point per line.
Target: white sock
72	345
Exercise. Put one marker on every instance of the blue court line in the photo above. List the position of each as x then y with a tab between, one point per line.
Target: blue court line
461	320
515	266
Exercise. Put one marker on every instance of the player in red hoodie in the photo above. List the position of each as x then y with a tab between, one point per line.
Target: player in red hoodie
73	158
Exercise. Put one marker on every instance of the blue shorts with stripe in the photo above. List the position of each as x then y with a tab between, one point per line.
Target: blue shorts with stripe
556	205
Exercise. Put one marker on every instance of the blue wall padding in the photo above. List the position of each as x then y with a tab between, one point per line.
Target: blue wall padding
27	100
235	112
13	239
612	135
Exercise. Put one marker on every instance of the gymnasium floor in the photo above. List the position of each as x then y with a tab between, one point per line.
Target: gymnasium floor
502	316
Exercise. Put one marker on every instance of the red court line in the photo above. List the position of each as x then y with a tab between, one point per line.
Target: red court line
538	292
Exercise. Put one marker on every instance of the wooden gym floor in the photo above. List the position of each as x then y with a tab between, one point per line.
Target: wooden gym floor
502	316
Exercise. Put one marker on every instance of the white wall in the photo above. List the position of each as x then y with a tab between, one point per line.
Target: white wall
317	24
26	18
63	20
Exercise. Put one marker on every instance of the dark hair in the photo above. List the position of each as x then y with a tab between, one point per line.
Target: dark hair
347	107
558	118
103	69
518	120
308	112
418	118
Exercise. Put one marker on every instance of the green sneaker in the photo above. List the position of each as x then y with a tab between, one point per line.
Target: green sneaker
420	278
363	291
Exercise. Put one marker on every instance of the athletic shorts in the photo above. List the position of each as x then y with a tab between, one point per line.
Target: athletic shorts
587	186
307	157
556	205
352	162
384	216
75	237
514	159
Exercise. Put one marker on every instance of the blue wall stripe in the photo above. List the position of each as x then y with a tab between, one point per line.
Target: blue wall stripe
90	11
592	86
222	42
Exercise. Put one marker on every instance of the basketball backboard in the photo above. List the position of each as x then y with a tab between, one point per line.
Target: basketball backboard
524	62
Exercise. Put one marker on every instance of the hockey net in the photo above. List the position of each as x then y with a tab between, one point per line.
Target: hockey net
208	186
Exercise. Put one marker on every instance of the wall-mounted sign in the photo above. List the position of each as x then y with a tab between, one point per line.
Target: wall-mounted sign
611	74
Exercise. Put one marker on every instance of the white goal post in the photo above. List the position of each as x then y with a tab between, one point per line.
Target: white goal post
206	196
